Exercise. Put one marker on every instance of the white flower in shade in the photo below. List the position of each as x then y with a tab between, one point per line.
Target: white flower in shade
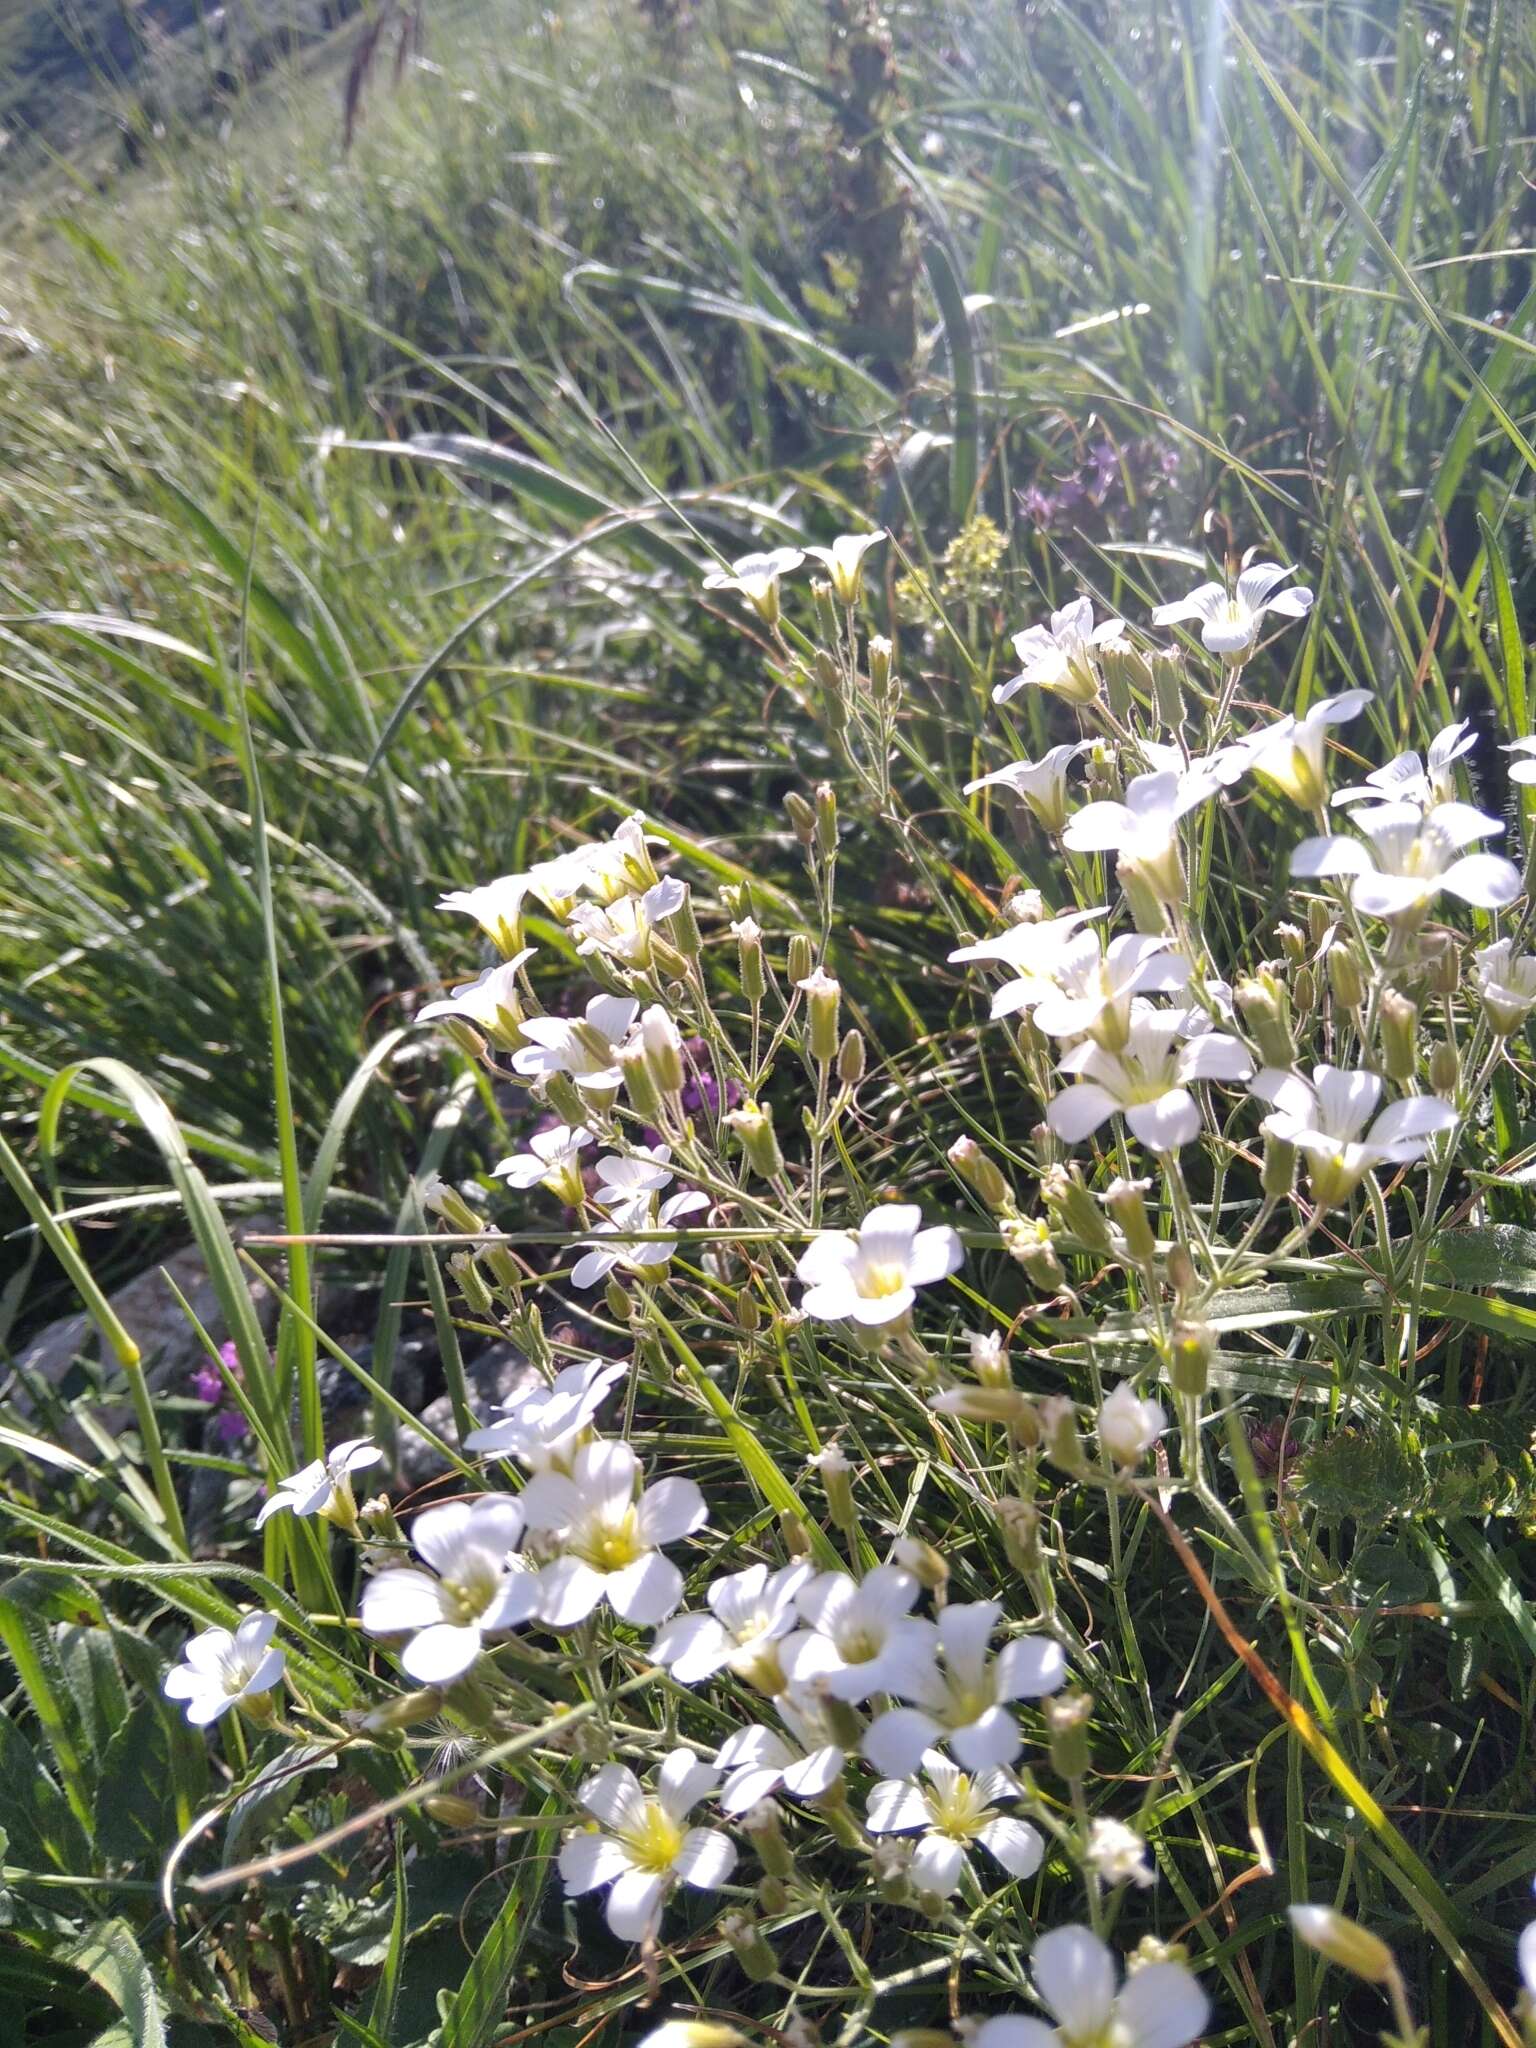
646	1170
1118	1854
586	1048
620	866
954	1812
965	1703
1229	624
622	930
497	907
553	1160
1144	830
1289	754
758	1762
1147	1081
1061	656
1128	1425
325	1487
1094	987
844	562
619	1247
609	1531
477	1586
642	1844
220	1669
1158	2006
1527	1957
756	578
749	1612
1035	953
1411	857
1523	767
1506	982
491	1003
1407	779
861	1635
871	1276
545	1425
1225	765
1041	785
1325	1119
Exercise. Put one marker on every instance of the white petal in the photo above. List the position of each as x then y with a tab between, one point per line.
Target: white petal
1099	828
1255	584
646	1591
895	1742
1162	2007
895	1806
399	1600
1213	1056
569	1589
440	1654
693	1647
753	1744
1416	1116
1078	1110
588	1860
706	1858
613	1797
683	1780
1200	604
748	1787
1015	1844
989	1742
814	1774
634	1905
874	1310
965	1629
936	1864
1013	2030
1029	1667
935	1254
670	1510
551	1500
1484	879
1391	895
1075	1977
1164	1125
1331	856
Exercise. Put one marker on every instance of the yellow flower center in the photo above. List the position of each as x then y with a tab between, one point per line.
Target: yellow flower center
958	1812
654	1840
610	1546
472	1591
859	1645
880	1282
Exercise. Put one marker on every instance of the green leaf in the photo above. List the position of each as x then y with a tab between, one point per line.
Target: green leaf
110	1956
471	2016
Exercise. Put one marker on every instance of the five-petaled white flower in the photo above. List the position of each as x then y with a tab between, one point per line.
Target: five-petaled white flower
1118	1853
965	1703
1229	624
1158	2006
492	1003
1041	785
1411	857
749	1612
1144	830
623	929
871	1277
220	1669
759	1762
325	1486
861	1635
620	866
1289	754
1036	952
756	578
609	1531
1094	988
1407	779
1325	1119
1128	1425
497	907
546	1424
1147	1081
844	562
1061	656
480	1588
627	1214
955	1811
642	1843
586	1048
1506	983
553	1160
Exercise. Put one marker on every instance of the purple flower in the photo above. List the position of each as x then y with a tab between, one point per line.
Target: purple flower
230	1426
207	1386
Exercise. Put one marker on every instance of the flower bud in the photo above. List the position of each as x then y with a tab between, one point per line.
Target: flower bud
564	1098
1279	1169
1261	999
980	1173
826	820
1189	1358
408	1711
984	1404
1168	688
470	1281
881	657
1319	920
749	1315
827	619
1345	1942
927	1565
1346	977
619	1305
751	1947
1018	1523
1124	1201
1128	1426
685	926
1399	1036
850	1059
749	956
446	1203
796	1536
1444	1070
800	959
767	1837
1058	1422
1067	1715
663	1050
1293	943
1303	992
773	1895
1180	1268
801	817
823	999
451	1810
989	1358
1074	1211
753	1126
837	1480
640	1082
1028	1241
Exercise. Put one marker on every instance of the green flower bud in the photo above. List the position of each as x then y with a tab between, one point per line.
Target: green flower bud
826	820
1189	1358
1346	977
749	956
1399	1036
1067	1715
801	817
1124	1201
800	959
1444	1070
1018	1523
1279	1169
1345	1942
751	1946
1168	688
980	1173
1261	999
823	1000
640	1083
850	1059
753	1127
881	658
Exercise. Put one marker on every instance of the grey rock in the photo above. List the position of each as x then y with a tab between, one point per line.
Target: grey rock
491	1378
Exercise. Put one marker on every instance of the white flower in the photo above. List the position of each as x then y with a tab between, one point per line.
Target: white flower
1118	1854
1506	982
1060	656
621	930
324	1487
643	1171
872	1277
497	907
954	1811
219	1669
1147	1080
862	1636
1041	784
640	1256
1407	779
620	866
1144	830
965	1703
759	1762
1159	2005
844	562
1230	625
553	1160
544	1425
1523	768
749	1612
481	1588
491	1002
610	1535
1527	1955
1128	1426
1225	765
642	1845
1094	989
1325	1118
756	578
1412	856
1036	952
585	1048
1289	754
